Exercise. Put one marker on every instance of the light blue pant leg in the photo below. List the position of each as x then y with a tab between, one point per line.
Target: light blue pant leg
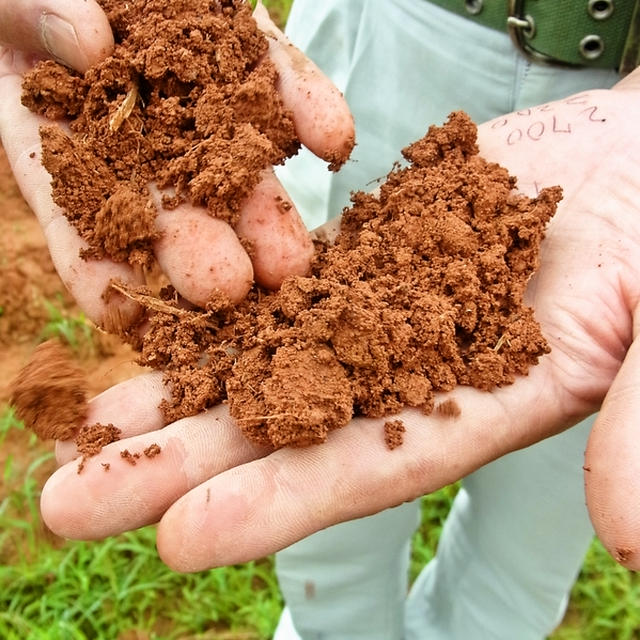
515	538
508	555
510	550
349	582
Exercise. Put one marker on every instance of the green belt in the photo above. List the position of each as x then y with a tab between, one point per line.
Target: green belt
594	33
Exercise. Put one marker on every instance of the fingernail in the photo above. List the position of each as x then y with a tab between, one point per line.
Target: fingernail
61	41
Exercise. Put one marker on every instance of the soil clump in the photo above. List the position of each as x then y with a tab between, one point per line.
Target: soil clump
394	433
50	393
91	439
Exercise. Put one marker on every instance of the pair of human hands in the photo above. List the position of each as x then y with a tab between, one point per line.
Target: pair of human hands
219	499
193	242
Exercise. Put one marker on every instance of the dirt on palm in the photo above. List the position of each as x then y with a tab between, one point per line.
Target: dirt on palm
421	291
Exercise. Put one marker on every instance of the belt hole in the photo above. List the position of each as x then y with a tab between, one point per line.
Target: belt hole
600	9
530	30
591	47
474	7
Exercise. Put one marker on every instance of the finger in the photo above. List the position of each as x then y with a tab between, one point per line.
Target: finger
201	254
111	495
612	465
74	32
320	113
141	396
87	280
295	492
280	245
15	62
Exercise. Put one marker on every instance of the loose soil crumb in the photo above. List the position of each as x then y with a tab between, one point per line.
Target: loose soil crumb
187	101
131	458
421	291
152	450
92	438
622	554
394	433
50	396
50	393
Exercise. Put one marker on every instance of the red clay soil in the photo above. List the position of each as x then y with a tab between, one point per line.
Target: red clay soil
50	393
421	291
393	433
90	439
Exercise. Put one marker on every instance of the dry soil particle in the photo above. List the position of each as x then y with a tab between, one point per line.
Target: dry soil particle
421	291
131	458
394	433
187	101
448	409
91	439
150	452
50	393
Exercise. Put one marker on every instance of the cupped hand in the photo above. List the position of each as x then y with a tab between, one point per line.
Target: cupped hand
221	500
198	253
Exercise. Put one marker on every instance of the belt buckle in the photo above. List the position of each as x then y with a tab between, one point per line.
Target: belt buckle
521	28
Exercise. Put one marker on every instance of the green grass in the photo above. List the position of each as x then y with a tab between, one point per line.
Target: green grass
54	589
278	10
73	329
10	423
106	589
605	601
435	508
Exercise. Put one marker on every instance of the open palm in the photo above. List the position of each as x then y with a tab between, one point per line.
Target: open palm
586	292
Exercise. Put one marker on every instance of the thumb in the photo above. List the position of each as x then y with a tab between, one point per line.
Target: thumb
73	32
612	465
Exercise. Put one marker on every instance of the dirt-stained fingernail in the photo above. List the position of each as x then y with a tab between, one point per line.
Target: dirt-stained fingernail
61	40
